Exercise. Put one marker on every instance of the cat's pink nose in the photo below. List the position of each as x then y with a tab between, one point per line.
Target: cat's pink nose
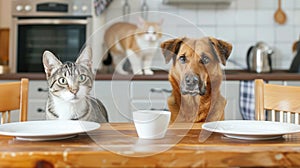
74	91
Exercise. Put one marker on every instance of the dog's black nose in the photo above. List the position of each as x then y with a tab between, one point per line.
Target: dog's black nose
191	80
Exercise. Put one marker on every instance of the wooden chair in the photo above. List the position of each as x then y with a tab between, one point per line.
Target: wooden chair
14	96
280	103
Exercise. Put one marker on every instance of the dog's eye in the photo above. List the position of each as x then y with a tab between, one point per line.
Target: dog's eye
182	59
205	59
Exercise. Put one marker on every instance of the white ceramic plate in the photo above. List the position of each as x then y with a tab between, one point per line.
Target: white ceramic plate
47	129
251	129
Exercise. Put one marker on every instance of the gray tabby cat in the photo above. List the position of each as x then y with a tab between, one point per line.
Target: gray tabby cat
69	89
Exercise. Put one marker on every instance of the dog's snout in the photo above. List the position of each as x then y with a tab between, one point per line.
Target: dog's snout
191	80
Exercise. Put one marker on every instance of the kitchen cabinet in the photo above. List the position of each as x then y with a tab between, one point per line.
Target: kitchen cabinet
149	95
291	83
115	97
113	94
122	97
230	90
38	95
154	94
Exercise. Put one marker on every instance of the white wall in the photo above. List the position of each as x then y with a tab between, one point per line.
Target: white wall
243	23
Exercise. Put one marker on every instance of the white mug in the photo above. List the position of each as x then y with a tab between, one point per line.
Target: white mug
151	124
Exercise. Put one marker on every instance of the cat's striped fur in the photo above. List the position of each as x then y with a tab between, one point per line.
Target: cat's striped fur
69	89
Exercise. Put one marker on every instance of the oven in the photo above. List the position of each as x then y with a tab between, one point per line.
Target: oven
60	26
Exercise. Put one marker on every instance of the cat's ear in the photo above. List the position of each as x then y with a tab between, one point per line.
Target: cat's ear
141	22
85	58
51	63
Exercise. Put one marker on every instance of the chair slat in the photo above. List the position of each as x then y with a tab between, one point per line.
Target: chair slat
281	116
3	117
273	116
288	116
8	116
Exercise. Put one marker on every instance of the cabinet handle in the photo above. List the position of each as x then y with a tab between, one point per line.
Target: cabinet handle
160	90
163	109
40	110
42	90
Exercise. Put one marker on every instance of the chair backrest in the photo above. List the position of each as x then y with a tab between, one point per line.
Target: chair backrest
281	103
14	96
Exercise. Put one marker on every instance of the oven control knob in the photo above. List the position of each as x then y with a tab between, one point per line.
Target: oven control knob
28	8
84	8
19	8
75	8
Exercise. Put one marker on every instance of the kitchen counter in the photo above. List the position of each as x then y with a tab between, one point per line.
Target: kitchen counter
276	75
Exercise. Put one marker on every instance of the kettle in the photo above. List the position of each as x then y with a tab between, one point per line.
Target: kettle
259	58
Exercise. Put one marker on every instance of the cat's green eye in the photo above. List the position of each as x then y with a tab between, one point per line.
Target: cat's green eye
62	81
82	78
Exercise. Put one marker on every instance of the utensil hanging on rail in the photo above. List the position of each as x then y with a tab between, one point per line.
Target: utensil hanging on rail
280	16
144	10
126	11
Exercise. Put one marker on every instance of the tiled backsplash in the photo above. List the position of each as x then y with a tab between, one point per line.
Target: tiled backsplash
243	23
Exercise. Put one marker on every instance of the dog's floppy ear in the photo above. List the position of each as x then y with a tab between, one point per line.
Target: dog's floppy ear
170	48
222	49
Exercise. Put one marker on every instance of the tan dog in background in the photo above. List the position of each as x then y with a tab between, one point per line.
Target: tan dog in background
196	76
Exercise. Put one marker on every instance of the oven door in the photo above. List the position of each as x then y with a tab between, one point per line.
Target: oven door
63	37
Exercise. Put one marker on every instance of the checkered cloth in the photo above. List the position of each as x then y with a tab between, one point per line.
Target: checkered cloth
247	102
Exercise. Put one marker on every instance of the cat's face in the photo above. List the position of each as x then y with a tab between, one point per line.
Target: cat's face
149	31
69	81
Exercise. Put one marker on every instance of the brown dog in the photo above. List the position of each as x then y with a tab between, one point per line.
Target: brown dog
196	76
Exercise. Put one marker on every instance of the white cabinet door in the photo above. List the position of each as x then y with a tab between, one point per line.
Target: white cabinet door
149	95
36	109
38	90
121	98
230	90
115	97
290	83
38	95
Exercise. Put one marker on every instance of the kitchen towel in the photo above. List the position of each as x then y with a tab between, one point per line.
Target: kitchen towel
247	99
101	5
247	102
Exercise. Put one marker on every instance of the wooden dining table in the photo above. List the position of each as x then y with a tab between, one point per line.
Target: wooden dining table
117	145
